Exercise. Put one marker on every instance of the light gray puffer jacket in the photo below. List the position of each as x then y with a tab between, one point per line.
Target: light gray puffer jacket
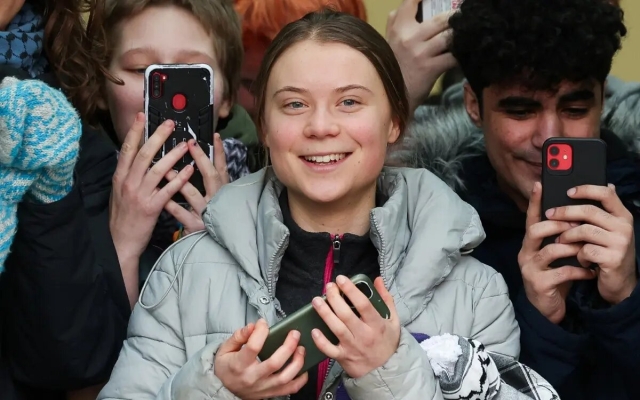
210	284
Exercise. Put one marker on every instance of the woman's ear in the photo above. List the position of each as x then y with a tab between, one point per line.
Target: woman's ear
394	131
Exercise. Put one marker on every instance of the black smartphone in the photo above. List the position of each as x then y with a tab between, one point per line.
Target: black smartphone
184	94
567	163
306	319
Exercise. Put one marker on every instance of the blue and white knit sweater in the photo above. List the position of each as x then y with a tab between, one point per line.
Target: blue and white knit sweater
39	143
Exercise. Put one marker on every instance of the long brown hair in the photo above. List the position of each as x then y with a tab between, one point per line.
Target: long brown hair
73	45
328	26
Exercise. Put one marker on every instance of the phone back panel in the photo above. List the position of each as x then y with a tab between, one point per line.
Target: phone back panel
186	97
304	321
589	166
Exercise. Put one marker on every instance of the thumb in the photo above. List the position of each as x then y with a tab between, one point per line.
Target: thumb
386	297
236	341
568	274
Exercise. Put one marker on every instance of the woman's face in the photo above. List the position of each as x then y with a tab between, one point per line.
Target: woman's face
327	122
8	10
157	35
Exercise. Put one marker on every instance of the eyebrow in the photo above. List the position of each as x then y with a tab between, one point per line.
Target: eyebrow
518	101
341	89
150	51
577	95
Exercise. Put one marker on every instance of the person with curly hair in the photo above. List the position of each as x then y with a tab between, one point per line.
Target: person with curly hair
64	310
535	70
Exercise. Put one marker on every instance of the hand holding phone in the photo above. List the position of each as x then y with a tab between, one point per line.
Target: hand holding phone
366	339
182	93
575	191
238	369
136	201
422	49
546	288
214	176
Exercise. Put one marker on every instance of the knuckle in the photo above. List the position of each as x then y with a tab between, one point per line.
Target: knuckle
145	153
126	148
593	251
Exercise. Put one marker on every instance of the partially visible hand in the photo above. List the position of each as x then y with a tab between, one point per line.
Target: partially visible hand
237	366
214	175
421	49
546	287
608	238
136	201
366	343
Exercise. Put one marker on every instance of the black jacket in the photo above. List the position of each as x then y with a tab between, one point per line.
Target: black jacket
594	354
64	305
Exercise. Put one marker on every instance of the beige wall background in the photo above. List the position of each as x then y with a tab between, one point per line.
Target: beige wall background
626	64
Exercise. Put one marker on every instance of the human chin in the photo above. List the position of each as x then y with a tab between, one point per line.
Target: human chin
323	190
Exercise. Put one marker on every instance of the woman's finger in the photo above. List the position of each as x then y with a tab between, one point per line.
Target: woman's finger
220	160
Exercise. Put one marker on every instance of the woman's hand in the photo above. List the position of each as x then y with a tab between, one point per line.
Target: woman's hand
366	343
237	366
136	201
214	175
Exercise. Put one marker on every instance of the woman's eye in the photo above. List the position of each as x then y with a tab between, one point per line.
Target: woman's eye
295	105
349	102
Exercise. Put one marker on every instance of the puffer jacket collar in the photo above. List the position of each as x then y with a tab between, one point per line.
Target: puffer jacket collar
424	227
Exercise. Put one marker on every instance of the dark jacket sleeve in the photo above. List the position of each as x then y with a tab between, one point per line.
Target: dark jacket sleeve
549	349
66	310
616	339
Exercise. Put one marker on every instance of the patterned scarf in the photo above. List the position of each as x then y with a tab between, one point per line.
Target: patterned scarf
22	43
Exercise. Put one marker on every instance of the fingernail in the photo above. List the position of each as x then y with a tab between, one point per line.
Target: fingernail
301	350
317	301
295	334
549	213
571	191
182	145
192	143
341	279
168	122
574	224
330	285
612	186
315	333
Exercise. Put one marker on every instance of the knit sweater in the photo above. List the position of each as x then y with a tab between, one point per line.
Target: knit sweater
39	135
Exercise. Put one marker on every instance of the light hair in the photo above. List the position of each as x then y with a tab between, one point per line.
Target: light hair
217	16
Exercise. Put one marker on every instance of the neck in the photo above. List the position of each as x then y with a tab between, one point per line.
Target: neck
339	217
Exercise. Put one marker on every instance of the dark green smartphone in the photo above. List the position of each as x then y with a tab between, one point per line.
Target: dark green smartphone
307	319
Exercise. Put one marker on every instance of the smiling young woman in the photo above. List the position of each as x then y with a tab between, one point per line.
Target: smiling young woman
330	101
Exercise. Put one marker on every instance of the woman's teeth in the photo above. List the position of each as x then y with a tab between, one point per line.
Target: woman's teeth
326	159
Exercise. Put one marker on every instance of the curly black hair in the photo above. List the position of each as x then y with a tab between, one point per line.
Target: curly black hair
537	43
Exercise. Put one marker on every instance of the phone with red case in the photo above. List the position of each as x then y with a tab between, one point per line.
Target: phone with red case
567	163
184	94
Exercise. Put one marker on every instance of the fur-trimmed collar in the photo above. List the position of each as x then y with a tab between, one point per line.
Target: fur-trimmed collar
440	139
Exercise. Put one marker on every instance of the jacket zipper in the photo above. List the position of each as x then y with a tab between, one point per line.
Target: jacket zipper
332	261
376	231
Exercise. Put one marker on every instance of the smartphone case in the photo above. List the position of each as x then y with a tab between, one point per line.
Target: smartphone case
193	83
305	320
589	167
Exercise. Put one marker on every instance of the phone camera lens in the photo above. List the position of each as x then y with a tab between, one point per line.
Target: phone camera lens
554	163
554	151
